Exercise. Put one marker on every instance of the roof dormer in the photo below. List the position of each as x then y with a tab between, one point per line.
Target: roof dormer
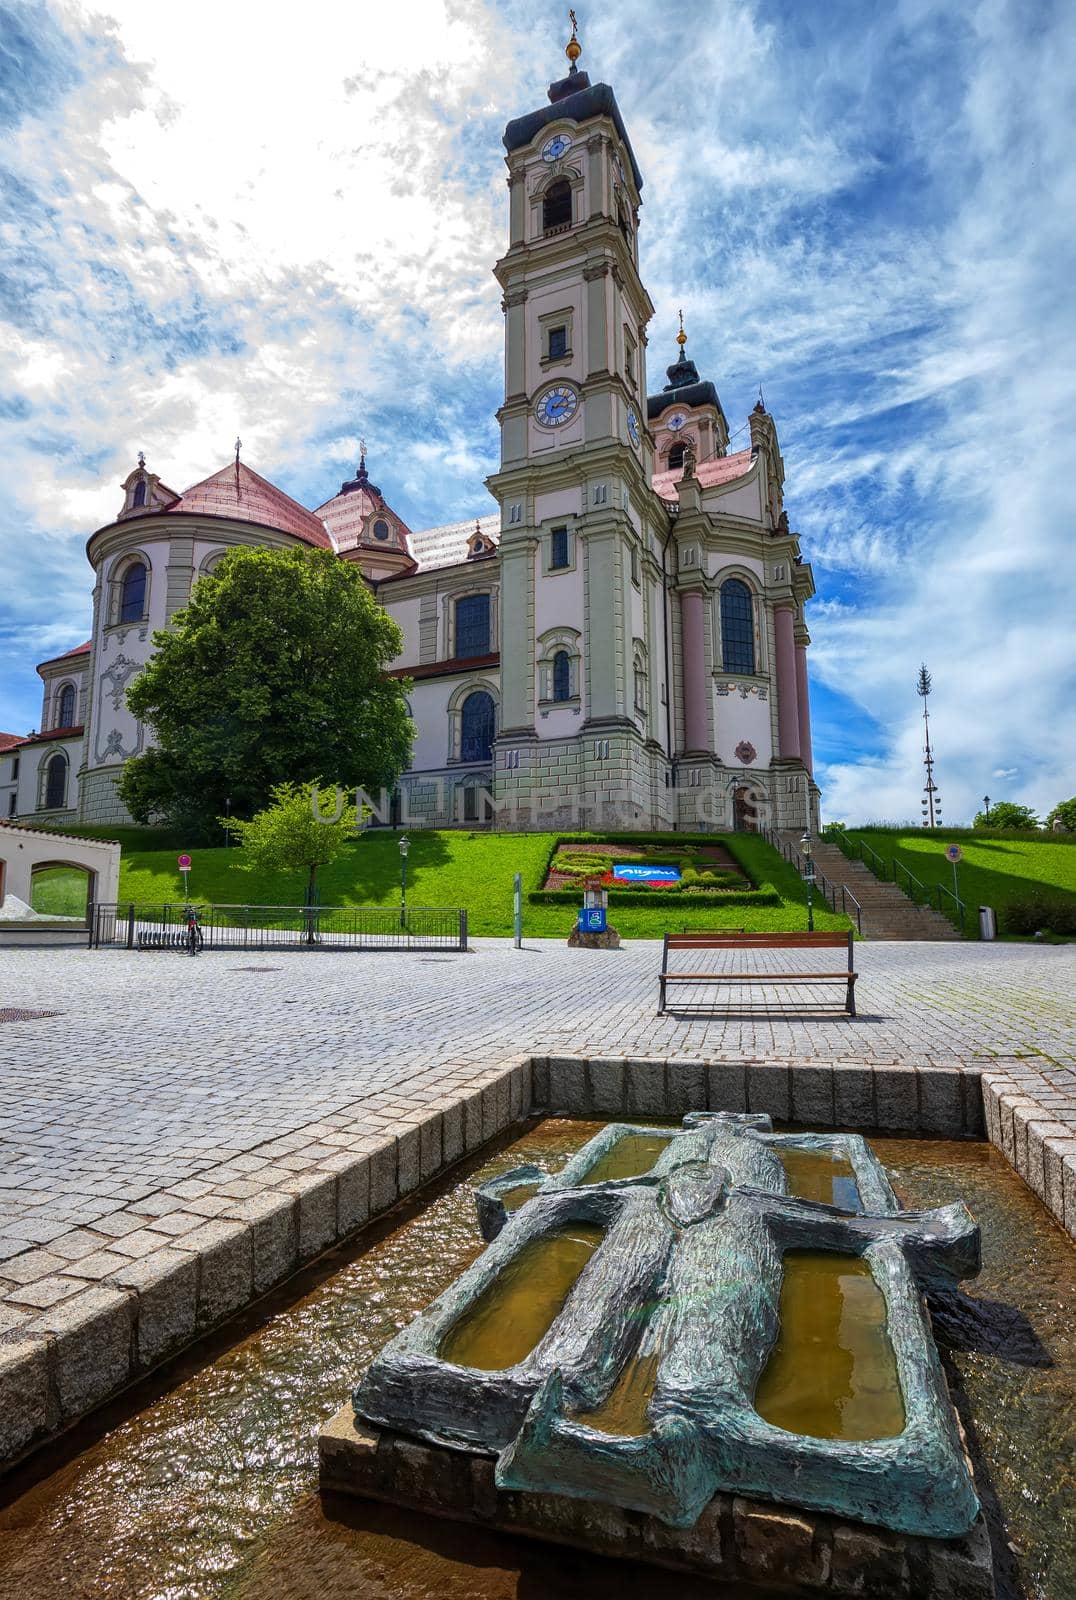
143	492
364	527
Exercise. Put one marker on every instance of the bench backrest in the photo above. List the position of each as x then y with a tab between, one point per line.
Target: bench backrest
699	940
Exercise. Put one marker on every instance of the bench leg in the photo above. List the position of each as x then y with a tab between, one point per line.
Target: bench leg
850	1003
661	986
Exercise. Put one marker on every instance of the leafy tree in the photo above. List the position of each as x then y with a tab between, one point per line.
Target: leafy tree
1065	813
1006	814
288	837
273	673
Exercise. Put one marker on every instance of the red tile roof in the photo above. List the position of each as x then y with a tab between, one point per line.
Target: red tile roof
73	731
79	650
444	669
7	740
244	496
721	469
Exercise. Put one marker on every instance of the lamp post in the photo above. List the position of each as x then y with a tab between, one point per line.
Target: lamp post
227	822
986	808
808	878
405	845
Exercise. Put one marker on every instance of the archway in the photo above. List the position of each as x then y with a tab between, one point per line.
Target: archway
61	889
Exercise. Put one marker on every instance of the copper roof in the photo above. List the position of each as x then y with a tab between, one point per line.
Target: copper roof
242	495
720	469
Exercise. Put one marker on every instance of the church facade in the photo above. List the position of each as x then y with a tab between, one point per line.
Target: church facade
622	642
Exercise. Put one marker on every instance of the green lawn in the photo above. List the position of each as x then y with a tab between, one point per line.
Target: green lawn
997	868
59	891
453	868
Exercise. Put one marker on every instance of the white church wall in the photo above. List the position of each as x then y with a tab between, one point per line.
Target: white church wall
741	719
405	613
558	503
745	501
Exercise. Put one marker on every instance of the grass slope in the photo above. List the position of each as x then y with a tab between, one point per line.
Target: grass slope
997	868
453	868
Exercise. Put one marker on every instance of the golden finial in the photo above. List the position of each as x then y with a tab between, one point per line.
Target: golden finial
573	49
681	337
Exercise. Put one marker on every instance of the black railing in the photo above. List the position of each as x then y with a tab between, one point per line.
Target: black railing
831	892
918	892
130	926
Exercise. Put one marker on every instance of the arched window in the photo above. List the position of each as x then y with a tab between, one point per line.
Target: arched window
55	782
472	625
557	206
737	627
133	593
65	710
139	496
476	727
562	676
676	456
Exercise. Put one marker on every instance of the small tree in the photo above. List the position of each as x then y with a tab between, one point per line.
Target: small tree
1065	814
288	836
1006	814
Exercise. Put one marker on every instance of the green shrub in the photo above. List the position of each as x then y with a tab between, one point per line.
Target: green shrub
1030	913
581	864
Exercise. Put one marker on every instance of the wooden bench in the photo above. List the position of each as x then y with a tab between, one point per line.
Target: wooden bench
725	939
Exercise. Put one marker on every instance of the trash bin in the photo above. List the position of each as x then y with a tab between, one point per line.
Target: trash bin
988	927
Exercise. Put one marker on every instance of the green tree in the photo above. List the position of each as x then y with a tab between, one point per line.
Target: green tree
298	832
275	672
1065	813
1006	814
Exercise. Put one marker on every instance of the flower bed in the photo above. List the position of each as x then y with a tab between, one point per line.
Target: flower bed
682	869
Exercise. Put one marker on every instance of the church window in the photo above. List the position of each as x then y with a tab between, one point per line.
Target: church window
476	727
558	549
140	493
381	529
737	627
472	625
676	457
55	782
640	686
11	803
558	343
65	712
562	676
133	594
635	565
557	206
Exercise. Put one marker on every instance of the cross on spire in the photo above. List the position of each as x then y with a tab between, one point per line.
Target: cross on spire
142	458
681	337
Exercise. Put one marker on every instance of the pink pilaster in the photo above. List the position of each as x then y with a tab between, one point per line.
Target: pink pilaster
803	705
694	667
788	719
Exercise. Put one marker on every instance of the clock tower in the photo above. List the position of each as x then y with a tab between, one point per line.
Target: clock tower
584	698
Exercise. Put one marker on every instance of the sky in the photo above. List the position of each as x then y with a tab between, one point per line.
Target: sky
278	223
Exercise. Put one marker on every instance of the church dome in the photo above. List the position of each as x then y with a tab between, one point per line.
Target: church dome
242	495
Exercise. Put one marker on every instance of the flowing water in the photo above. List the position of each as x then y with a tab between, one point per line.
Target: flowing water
516	1310
832	1373
203	1484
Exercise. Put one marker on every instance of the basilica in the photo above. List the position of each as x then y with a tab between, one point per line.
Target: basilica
621	641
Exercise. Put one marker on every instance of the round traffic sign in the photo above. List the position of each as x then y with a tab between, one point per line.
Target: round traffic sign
184	863
953	852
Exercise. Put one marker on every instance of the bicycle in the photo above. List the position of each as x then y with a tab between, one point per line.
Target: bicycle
195	939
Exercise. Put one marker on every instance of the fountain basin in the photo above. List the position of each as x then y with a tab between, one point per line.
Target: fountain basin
678	1313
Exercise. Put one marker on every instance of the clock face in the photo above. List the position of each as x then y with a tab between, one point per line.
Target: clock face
676	422
554	148
556	406
633	427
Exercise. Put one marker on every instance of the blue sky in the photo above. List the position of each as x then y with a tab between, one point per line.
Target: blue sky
280	223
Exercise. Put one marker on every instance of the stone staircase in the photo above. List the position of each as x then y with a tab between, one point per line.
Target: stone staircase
887	911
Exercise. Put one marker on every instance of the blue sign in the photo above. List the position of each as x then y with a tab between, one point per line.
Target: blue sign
591	919
644	874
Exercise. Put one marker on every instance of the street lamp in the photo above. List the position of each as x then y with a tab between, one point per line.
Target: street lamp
227	822
405	845
986	805
808	878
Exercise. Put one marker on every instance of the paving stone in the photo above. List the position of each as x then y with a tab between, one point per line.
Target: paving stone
166	1285
868	1562
941	1102
768	1089
853	1097
352	1195
316	1195
274	1234
726	1086
45	1292
812	1095
896	1098
226	1278
23	1395
91	1345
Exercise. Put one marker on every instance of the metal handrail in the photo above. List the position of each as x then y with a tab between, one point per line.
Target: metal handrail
961	908
859	850
912	879
846	894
